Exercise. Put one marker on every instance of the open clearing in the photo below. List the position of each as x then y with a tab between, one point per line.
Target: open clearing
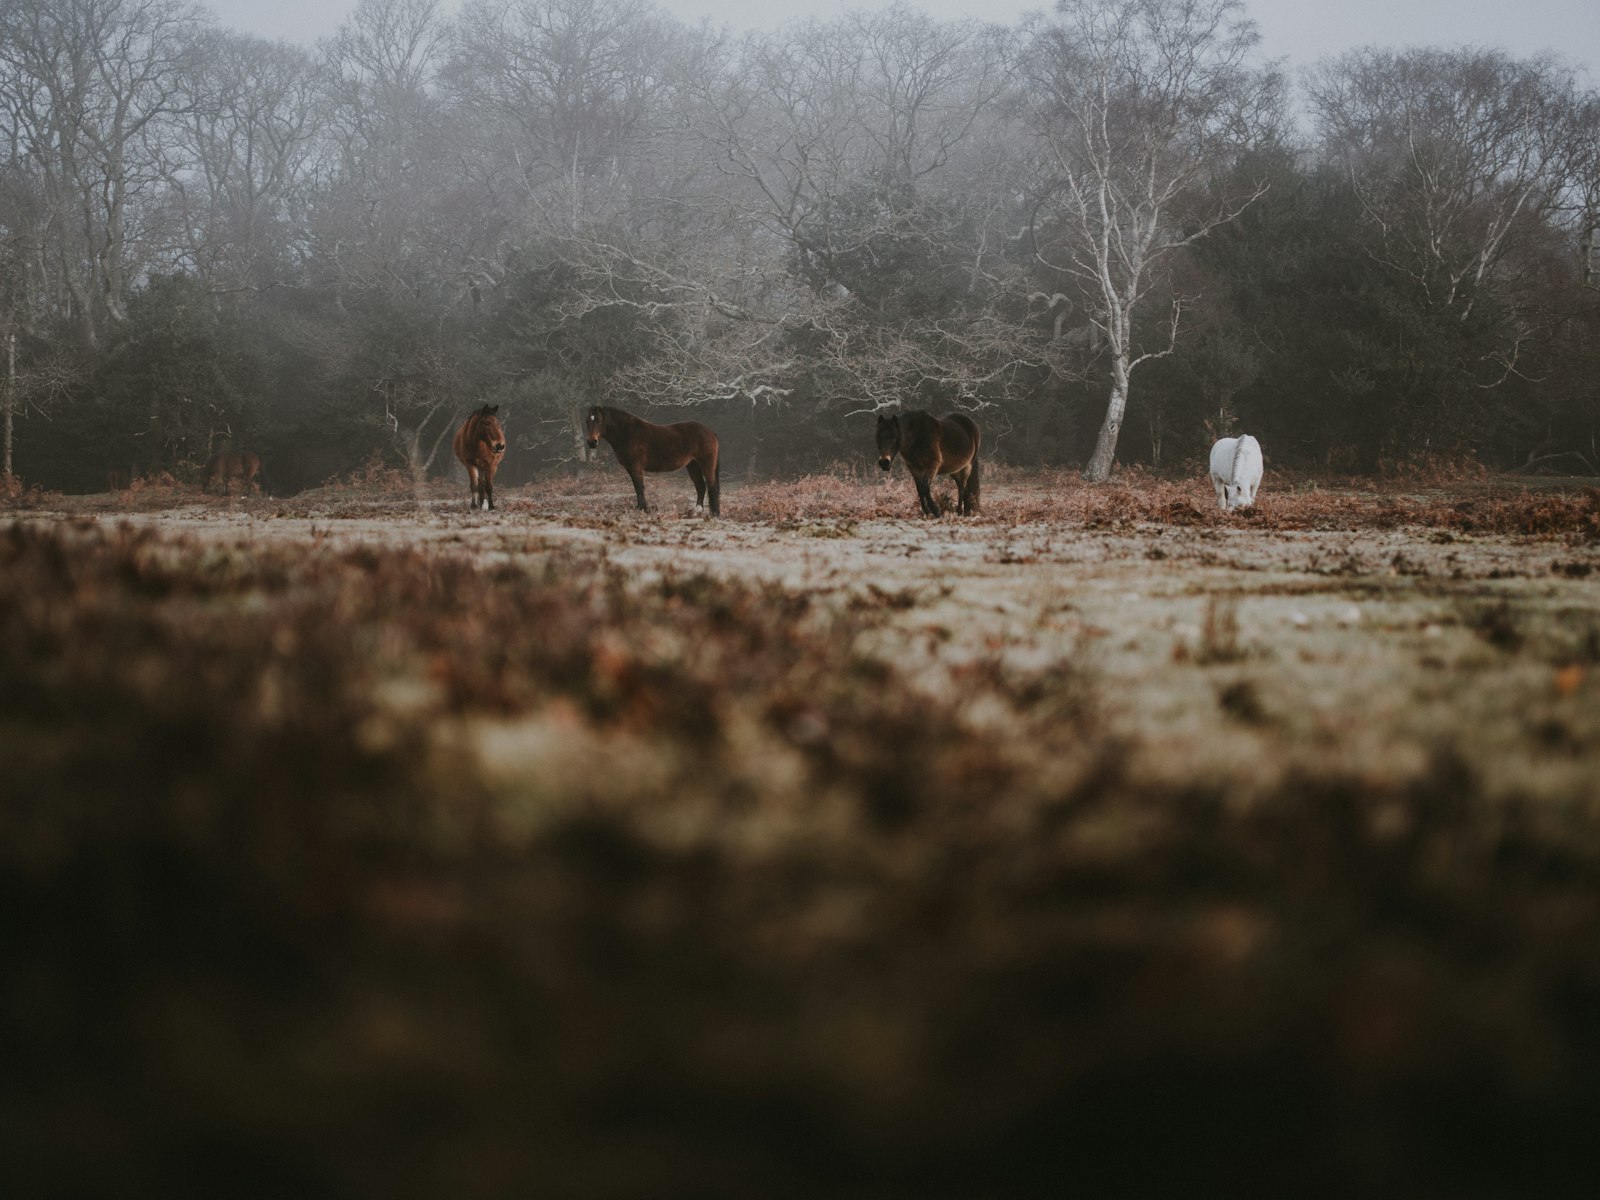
1222	652
389	848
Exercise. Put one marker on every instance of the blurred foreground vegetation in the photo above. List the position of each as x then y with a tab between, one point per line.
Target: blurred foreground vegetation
345	871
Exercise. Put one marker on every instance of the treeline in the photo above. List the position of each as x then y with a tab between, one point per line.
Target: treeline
1111	231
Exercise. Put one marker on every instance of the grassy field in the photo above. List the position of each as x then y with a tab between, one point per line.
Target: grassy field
355	844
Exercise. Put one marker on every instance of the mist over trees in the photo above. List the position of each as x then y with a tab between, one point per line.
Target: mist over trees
1113	233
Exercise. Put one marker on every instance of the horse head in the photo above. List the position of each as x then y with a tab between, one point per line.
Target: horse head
594	426
888	440
490	431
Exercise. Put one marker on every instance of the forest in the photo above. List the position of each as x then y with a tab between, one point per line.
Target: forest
1113	232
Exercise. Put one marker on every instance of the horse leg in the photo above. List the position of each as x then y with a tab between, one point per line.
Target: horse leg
472	488
924	484
932	477
961	477
699	477
714	480
638	489
488	489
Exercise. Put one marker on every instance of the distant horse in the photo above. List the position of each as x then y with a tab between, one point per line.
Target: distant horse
227	467
1236	467
480	444
643	446
934	446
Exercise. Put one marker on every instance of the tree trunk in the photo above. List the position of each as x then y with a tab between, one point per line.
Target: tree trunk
755	446
411	444
445	431
1105	446
10	405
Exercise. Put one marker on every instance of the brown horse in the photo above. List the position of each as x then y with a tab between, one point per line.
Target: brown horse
227	467
480	444
642	446
934	446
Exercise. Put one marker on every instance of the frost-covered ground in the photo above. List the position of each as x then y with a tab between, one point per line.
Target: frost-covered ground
1239	648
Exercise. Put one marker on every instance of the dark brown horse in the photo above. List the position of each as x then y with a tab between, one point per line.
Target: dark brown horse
480	444
227	467
642	446
934	446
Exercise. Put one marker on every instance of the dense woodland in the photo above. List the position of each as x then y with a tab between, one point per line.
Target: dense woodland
1113	233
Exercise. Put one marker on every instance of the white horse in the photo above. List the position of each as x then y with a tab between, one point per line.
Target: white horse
1236	471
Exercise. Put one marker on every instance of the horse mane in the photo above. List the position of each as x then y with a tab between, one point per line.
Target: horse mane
1238	448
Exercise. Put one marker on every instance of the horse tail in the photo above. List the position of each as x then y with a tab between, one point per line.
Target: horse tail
714	477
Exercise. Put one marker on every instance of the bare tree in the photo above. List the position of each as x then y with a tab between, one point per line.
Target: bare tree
880	101
1139	107
562	102
419	408
1452	153
46	371
379	225
846	216
85	86
1584	204
49	374
249	148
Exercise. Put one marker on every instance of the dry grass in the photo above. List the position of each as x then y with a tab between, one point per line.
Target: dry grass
1061	498
15	494
1011	497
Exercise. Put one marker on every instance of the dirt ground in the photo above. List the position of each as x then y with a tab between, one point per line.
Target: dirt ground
1228	651
365	845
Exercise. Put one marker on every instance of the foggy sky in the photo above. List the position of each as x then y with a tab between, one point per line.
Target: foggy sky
1300	30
